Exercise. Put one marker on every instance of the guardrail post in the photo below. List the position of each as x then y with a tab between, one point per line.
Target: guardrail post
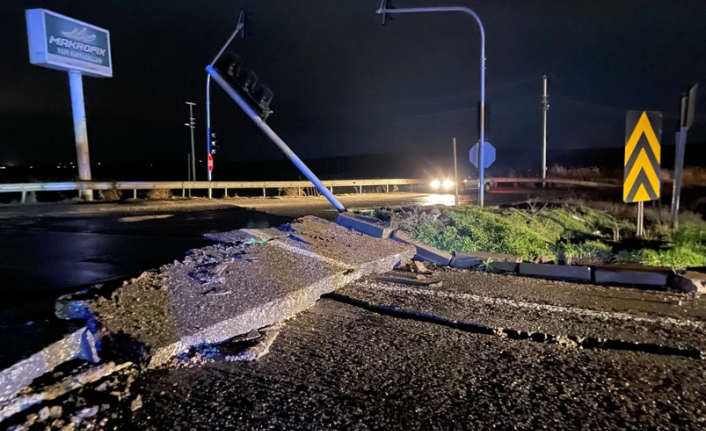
264	192
183	191
224	190
388	188
134	193
24	197
331	188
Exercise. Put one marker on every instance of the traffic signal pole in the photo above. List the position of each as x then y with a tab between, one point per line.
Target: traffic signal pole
239	28
275	138
208	124
481	168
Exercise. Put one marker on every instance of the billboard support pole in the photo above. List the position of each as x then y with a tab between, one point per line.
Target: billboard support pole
80	131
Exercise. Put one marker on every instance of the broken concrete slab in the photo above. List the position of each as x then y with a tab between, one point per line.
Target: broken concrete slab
367	225
233	287
424	252
689	282
24	401
560	272
258	350
79	344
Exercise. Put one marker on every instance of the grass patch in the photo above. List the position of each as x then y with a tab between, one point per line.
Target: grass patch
566	233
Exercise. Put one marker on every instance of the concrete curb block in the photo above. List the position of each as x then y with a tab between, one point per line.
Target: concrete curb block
561	272
424	252
617	276
464	261
689	282
496	261
596	275
363	224
80	344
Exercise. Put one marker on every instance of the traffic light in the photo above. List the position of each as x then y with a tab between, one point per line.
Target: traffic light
245	82
214	144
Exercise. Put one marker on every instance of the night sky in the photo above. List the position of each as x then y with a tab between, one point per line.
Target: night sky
346	85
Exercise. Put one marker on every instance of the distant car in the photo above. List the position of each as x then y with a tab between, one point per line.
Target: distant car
442	185
470	184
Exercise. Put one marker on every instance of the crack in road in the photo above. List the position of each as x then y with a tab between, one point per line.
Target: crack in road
514	334
603	315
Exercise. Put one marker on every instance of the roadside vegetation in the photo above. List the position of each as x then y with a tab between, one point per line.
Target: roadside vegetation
574	232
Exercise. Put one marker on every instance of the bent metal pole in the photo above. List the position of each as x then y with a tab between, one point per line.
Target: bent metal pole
481	167
275	138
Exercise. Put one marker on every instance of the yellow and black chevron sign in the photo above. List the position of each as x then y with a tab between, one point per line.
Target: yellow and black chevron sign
643	153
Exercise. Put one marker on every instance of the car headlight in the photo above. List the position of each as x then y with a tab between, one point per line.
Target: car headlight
447	184
435	184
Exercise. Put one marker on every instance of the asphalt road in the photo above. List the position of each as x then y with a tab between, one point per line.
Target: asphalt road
50	247
370	366
469	350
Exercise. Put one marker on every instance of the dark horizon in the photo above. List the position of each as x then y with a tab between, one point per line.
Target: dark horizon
344	85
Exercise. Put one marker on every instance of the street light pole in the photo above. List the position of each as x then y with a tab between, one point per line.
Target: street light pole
481	168
239	28
191	125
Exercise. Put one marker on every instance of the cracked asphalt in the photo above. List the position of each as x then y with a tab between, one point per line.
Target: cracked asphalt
440	355
337	366
342	366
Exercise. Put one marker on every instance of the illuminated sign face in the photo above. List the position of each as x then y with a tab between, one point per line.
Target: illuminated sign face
63	43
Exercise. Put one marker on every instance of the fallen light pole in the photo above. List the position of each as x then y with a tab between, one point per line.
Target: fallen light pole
254	99
384	10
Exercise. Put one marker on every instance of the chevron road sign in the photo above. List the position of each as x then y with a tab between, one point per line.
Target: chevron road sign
642	180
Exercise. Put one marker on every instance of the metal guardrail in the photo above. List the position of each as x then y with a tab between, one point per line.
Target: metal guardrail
24	188
493	181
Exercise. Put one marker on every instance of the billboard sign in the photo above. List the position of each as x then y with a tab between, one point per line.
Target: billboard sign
59	42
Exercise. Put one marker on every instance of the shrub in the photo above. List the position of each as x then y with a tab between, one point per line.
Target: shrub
159	194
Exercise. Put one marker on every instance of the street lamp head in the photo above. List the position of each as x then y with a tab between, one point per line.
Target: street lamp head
383	11
240	27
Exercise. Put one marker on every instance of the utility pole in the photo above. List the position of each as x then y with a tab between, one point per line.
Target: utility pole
192	124
455	174
545	108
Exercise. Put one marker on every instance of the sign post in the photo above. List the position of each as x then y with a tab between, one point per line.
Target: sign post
686	119
62	43
643	153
